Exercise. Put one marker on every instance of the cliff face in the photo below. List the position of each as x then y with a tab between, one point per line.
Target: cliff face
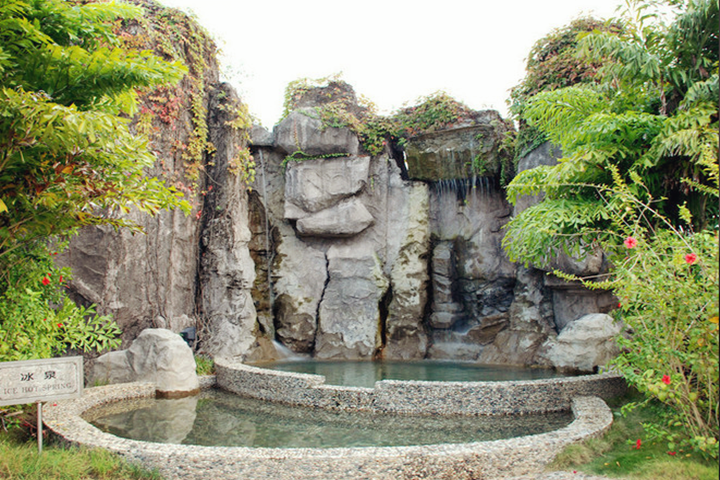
398	256
344	255
151	279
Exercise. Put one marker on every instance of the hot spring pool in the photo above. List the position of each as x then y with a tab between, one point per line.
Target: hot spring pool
218	418
366	373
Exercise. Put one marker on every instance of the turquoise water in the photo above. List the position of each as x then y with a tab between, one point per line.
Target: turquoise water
218	418
365	374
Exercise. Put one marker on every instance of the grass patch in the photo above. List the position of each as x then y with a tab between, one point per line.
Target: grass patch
19	459
616	454
204	365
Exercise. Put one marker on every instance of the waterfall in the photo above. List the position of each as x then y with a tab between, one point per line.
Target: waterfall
268	252
284	353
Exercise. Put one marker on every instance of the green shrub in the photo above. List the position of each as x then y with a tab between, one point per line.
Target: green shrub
37	320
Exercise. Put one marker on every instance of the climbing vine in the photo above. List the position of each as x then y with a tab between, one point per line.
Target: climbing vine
174	35
553	63
243	163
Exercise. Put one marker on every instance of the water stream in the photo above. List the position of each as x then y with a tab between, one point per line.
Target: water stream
268	251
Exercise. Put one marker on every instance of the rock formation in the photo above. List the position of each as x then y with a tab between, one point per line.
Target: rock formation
333	252
156	356
376	257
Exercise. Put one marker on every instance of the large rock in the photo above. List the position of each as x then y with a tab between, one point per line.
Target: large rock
156	356
227	272
446	311
302	131
585	344
345	219
544	155
571	300
512	347
463	152
138	278
405	333
111	367
302	274
349	316
591	263
473	281
314	185
530	323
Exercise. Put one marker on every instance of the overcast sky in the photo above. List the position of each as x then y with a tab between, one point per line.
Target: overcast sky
390	51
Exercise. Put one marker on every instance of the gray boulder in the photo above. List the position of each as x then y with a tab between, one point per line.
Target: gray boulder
112	367
584	344
314	185
227	271
261	137
406	337
302	274
157	356
302	131
349	315
345	219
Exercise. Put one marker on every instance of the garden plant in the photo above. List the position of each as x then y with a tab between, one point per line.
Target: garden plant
638	181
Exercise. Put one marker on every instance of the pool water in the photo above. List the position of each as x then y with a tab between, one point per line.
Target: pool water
366	373
218	418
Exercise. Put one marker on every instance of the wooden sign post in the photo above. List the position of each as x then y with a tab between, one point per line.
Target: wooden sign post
37	381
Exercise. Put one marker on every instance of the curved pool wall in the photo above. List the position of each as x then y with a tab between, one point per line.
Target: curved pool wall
494	460
417	397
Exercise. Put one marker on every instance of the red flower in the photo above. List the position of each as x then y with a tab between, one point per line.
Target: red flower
690	258
630	242
46	281
60	278
619	305
637	444
672	453
60	325
666	379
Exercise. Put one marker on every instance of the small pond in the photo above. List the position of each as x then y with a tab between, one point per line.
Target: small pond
218	418
365	374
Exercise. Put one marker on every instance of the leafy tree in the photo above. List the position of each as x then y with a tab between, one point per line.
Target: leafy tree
639	180
67	159
553	64
625	123
66	156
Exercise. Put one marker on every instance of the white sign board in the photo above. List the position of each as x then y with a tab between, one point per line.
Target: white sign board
30	381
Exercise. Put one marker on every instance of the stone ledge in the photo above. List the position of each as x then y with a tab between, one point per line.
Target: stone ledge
417	397
492	460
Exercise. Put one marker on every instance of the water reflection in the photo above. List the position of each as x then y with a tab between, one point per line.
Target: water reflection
365	374
223	419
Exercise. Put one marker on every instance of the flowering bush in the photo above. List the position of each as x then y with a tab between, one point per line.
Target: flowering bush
668	290
666	279
37	320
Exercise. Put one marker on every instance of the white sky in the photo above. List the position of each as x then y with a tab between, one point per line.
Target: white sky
390	51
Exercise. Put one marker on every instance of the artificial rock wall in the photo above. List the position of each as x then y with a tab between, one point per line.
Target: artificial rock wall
400	257
342	256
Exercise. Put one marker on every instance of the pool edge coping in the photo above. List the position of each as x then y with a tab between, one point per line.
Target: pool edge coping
490	459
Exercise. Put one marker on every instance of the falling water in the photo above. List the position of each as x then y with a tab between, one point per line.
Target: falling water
284	353
268	253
